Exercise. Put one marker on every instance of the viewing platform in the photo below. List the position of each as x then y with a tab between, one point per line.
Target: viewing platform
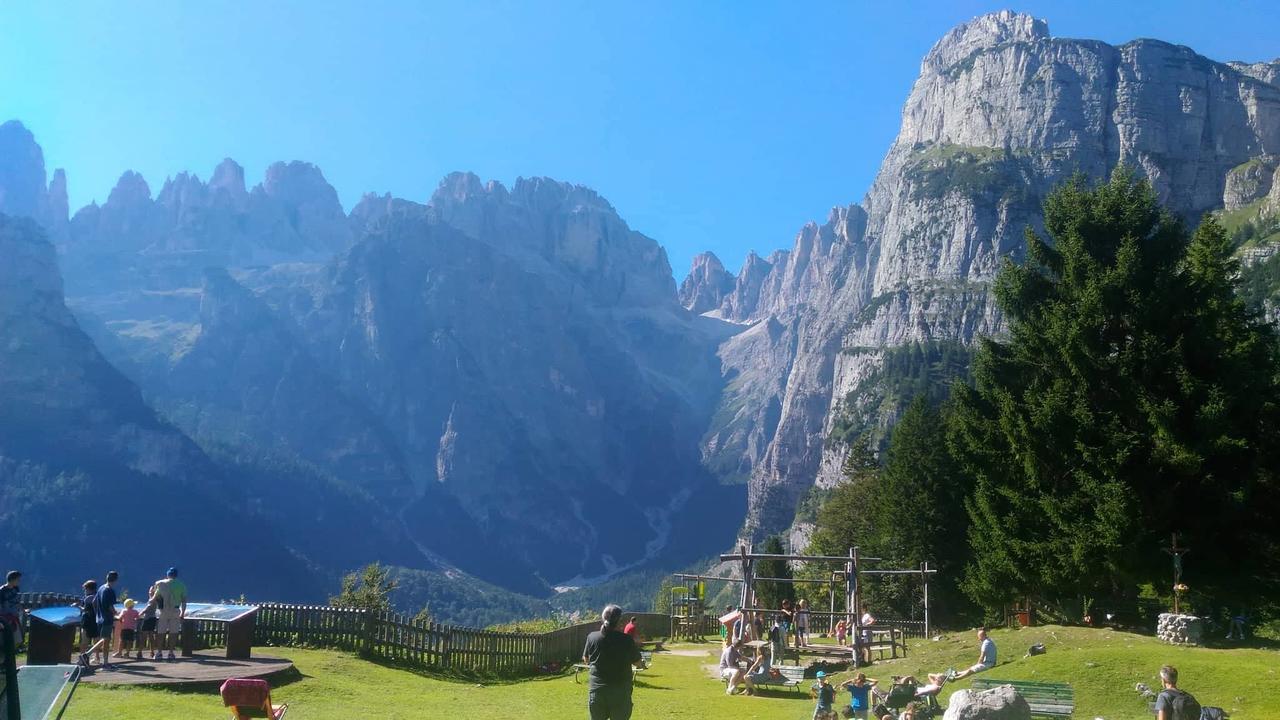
204	667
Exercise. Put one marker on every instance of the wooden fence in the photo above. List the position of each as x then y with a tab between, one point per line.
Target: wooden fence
401	638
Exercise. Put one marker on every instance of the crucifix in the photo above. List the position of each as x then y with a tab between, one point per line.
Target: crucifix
1177	553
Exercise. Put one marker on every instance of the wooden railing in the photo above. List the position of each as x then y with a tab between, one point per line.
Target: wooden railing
401	638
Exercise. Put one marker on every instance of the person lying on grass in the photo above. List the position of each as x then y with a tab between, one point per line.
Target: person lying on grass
933	687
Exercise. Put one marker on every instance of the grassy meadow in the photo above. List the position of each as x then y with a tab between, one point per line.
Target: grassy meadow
1102	665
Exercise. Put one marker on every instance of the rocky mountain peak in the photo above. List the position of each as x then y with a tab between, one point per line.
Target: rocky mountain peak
706	285
59	207
131	189
458	187
228	176
22	174
297	183
983	32
559	227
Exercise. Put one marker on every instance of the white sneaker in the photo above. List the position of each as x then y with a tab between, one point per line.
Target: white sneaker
729	691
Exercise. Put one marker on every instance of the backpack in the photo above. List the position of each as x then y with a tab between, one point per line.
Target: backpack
1182	705
1213	713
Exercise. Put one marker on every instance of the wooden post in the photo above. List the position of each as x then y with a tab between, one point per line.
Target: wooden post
13	708
924	577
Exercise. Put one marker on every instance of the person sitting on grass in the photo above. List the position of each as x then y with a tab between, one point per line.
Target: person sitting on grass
826	695
731	667
986	656
859	696
1172	703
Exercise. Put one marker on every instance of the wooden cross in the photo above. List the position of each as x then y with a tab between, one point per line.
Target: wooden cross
1177	553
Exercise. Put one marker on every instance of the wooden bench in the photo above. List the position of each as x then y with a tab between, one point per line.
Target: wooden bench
887	639
646	660
792	676
1047	700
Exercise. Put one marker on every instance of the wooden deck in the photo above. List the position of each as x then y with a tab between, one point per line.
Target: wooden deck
207	667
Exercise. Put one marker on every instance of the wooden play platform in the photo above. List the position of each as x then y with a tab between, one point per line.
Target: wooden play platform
205	666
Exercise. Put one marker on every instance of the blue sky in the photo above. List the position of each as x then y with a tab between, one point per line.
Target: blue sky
709	125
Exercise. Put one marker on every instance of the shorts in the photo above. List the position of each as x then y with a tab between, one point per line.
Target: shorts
609	703
106	631
726	673
90	630
169	624
979	668
147	625
128	636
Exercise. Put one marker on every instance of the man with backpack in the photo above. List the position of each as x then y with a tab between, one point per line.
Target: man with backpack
1172	703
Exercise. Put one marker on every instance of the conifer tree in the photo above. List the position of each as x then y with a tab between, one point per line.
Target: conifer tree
1135	396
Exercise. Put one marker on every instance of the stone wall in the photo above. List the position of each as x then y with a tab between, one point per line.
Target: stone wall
1180	629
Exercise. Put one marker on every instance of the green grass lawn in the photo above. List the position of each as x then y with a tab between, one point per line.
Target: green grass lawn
1102	665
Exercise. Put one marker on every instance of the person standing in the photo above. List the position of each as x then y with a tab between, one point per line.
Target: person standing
802	624
632	629
147	626
105	607
864	636
88	616
171	601
10	607
859	696
826	696
611	654
128	628
788	620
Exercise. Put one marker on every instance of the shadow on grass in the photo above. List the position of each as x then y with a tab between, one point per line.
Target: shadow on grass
649	686
462	676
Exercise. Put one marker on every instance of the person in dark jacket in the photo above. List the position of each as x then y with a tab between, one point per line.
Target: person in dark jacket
611	654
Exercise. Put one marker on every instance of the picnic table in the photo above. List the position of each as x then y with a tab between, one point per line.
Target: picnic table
40	687
1047	700
646	661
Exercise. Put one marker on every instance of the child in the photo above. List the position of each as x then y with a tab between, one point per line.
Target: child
128	628
88	616
147	626
802	624
841	630
826	699
859	696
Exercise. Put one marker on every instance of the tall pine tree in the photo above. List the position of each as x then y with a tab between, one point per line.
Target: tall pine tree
771	594
1135	396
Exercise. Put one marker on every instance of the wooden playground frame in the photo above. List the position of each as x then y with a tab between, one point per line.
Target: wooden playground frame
850	572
